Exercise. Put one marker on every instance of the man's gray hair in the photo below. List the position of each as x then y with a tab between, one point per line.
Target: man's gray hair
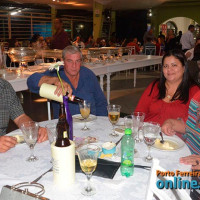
70	50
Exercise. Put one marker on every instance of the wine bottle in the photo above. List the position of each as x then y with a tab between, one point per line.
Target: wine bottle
62	140
47	91
75	99
62	125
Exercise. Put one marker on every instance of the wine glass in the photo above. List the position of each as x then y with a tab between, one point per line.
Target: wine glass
88	155
150	131
113	116
128	121
30	133
52	132
85	112
137	124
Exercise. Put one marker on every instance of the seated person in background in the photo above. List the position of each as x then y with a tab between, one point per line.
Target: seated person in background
190	53
148	43
90	42
160	44
134	43
191	129
10	108
82	80
78	43
169	96
196	53
170	42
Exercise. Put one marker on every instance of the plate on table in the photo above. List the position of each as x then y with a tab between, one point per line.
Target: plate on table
79	118
172	143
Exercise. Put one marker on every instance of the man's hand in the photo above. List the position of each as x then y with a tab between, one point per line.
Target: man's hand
193	160
59	91
6	143
42	135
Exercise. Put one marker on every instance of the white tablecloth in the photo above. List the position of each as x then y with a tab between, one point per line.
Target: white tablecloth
15	168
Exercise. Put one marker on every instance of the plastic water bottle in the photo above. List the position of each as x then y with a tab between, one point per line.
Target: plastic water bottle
127	154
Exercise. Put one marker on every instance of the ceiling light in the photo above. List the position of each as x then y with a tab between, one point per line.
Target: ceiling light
13	13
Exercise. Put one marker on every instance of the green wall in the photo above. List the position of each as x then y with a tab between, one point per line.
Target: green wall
170	10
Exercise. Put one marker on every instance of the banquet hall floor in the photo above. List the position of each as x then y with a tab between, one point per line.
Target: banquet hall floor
122	93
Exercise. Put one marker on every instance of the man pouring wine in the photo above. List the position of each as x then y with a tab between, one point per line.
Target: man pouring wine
76	79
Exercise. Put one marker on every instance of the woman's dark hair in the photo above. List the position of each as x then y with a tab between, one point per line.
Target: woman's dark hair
196	53
182	92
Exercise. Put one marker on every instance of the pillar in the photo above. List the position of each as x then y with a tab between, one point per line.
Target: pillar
53	16
113	21
97	19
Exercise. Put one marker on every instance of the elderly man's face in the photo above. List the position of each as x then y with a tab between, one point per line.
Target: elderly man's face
72	64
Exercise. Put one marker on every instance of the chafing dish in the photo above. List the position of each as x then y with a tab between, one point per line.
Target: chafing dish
22	54
52	53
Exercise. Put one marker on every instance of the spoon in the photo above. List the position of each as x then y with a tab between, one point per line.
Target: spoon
162	140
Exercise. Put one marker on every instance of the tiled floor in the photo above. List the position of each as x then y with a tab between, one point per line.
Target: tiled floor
122	93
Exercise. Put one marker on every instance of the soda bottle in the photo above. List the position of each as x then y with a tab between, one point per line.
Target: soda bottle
127	154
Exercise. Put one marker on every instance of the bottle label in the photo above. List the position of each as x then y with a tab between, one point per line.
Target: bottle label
127	163
65	134
71	98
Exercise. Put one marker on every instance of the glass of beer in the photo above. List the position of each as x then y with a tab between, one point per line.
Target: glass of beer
85	112
113	116
88	155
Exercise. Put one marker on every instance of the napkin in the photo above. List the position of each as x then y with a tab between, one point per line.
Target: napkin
105	168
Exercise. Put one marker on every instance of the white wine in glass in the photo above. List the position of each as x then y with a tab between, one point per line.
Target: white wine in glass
88	156
85	112
88	165
113	116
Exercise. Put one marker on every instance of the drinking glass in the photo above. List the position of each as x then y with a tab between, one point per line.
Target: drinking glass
30	133
88	155
150	131
113	116
128	121
52	132
85	112
137	124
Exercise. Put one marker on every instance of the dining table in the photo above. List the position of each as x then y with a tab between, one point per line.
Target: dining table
15	169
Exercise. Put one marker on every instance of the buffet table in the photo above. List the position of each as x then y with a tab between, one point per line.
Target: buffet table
15	168
18	80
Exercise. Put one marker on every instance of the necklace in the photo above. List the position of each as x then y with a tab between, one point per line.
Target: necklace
169	96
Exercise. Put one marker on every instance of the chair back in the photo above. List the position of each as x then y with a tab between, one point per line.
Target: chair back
162	194
161	50
150	50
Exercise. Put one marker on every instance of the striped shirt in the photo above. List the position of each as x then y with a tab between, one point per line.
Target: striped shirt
192	135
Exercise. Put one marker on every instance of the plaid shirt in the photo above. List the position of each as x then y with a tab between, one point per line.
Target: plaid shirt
10	106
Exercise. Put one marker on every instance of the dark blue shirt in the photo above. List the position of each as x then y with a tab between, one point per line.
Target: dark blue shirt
88	89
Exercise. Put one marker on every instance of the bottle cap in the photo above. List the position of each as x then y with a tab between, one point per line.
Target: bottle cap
128	131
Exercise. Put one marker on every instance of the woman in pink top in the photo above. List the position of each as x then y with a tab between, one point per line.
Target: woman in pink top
169	96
